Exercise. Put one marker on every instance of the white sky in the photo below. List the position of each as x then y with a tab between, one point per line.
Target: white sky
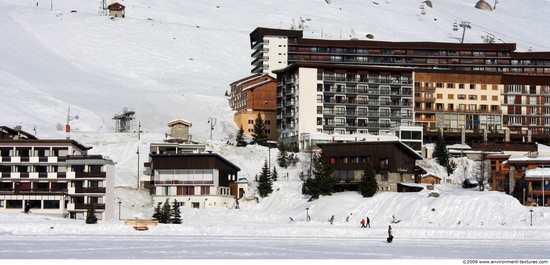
171	60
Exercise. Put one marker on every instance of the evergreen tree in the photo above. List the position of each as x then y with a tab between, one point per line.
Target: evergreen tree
175	216
165	213
323	181
441	155
368	185
274	174
240	135
293	160
282	158
91	218
158	211
258	134
265	184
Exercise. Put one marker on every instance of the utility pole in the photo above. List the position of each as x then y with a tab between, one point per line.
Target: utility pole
137	167
139	130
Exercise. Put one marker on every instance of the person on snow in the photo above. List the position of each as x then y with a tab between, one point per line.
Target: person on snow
390	236
237	204
363	223
368	222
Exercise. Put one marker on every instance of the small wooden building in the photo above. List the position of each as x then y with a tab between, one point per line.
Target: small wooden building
116	10
430	179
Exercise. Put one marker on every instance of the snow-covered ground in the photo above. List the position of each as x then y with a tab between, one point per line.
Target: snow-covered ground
175	59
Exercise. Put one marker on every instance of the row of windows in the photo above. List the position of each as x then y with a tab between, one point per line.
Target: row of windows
266	121
50	168
37	152
32	204
267	131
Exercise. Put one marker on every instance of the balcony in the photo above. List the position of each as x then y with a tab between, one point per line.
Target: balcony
88	190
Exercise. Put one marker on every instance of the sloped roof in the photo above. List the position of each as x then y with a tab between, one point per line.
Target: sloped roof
179	121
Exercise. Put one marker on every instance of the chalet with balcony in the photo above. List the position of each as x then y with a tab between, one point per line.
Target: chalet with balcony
194	180
524	176
393	161
53	177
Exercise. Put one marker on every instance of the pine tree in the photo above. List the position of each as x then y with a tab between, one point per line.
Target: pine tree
91	218
441	154
258	134
165	213
368	185
175	216
240	135
274	174
323	181
158	211
265	184
282	158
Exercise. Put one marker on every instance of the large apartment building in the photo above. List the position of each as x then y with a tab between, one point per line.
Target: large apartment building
341	99
53	177
475	91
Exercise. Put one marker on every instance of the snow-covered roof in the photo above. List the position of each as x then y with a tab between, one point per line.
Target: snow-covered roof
459	146
257	84
178	121
526	157
537	173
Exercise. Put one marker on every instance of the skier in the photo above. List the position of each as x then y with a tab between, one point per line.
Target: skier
363	223
236	204
390	236
368	222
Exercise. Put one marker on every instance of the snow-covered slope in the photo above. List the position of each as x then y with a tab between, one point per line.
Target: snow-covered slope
175	59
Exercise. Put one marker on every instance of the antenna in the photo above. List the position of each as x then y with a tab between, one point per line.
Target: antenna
67	126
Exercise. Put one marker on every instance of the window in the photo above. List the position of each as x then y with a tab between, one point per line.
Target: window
473	97
461	96
250	121
450	85
472	86
461	86
51	204
384	163
439	85
319	98
14	204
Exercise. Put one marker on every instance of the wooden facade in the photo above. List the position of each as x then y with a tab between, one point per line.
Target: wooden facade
508	173
253	95
393	161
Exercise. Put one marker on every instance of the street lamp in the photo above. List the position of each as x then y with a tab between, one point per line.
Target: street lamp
212	122
119	204
137	167
531	216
